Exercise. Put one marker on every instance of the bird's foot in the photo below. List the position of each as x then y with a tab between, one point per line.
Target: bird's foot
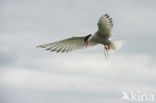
107	47
86	44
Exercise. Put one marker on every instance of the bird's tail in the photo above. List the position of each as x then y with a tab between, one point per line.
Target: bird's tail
117	44
113	46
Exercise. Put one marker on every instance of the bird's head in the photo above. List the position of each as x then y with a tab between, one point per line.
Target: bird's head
87	37
86	40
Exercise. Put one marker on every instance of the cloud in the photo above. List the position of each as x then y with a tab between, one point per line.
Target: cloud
82	74
82	70
32	75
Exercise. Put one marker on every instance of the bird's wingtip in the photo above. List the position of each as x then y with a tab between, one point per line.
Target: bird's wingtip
40	46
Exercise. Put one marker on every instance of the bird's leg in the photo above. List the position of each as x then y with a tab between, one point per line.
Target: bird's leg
86	44
107	47
106	51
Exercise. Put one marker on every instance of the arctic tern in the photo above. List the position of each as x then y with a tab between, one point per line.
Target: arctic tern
101	36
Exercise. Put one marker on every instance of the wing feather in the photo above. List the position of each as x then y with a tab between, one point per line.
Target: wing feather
60	48
104	26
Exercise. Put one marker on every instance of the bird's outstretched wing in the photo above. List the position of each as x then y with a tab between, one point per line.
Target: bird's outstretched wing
104	26
66	45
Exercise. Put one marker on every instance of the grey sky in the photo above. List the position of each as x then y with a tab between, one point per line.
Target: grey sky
32	75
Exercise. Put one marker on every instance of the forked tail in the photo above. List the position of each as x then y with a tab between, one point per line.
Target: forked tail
117	44
113	46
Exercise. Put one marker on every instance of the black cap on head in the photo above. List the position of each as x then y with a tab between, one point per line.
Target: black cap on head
87	37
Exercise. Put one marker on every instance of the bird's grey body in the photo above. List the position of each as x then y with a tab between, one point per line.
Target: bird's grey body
99	39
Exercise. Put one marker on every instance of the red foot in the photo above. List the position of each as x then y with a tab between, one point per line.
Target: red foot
86	44
107	47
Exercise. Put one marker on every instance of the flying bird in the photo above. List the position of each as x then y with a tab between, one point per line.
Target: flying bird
101	36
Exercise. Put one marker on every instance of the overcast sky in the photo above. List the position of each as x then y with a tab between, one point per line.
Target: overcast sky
32	75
